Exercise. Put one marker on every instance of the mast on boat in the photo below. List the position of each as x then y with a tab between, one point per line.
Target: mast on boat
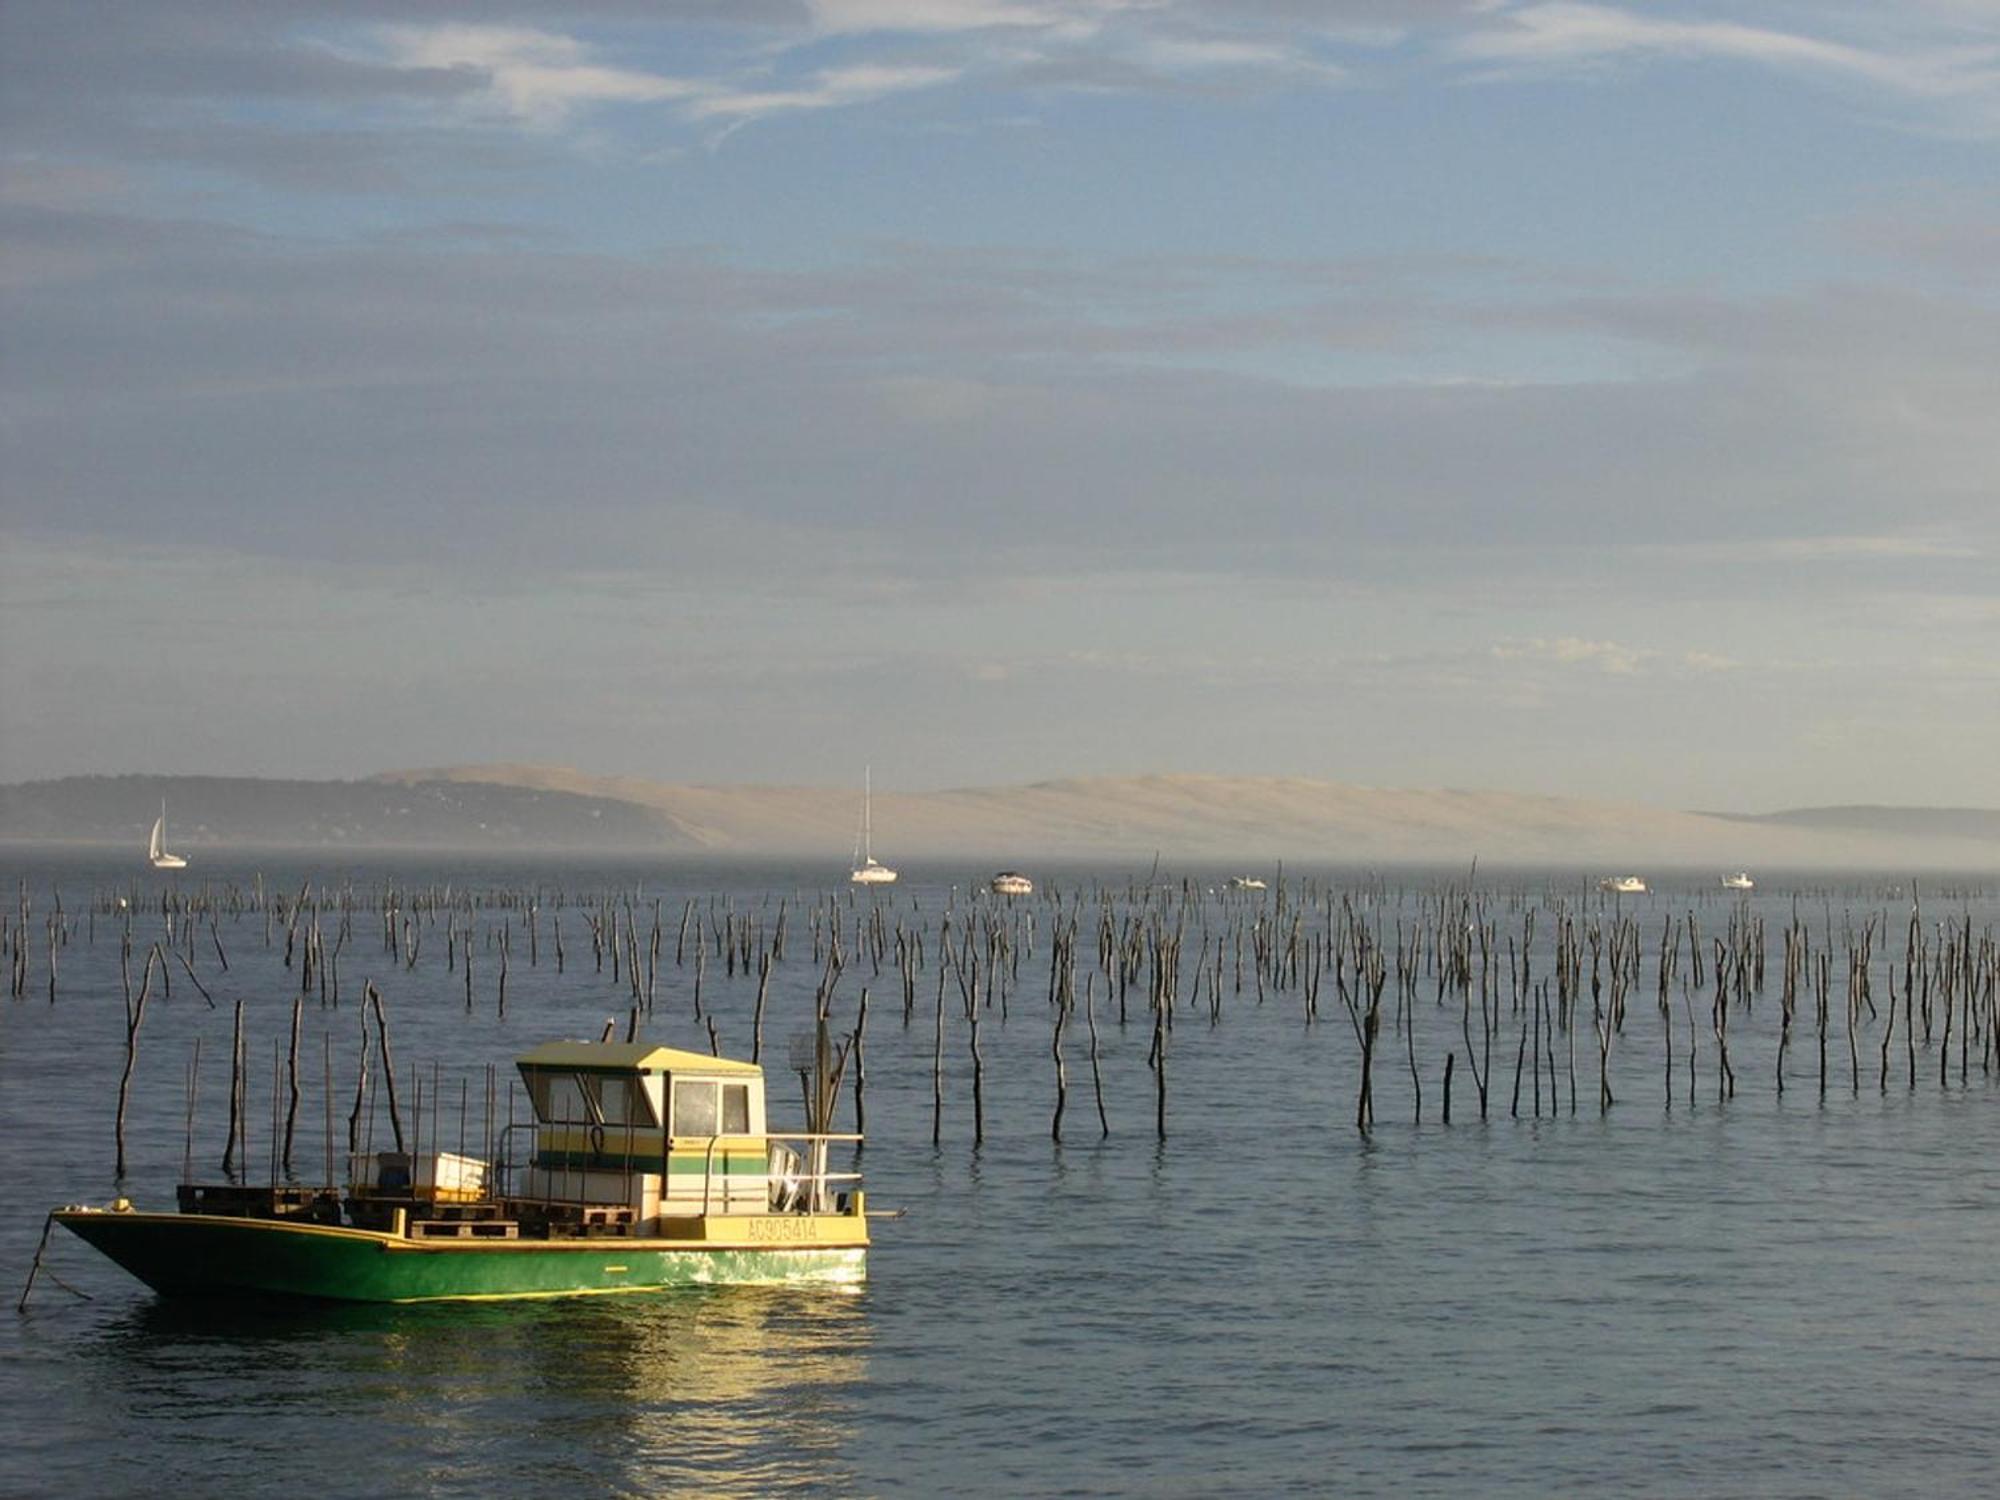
866	870
156	846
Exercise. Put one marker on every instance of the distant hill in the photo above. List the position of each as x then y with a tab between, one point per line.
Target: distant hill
1256	820
1893	822
247	812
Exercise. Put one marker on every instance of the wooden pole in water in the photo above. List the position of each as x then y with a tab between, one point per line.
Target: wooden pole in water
134	1014
235	1094
757	1016
1819	1003
360	1089
937	1061
1416	1082
1062	1072
373	997
193	1095
1520	1056
193	977
978	1063
1096	1073
292	1082
1889	1029
860	1065
326	1103
272	1138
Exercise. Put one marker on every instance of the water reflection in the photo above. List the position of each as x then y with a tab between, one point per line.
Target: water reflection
721	1391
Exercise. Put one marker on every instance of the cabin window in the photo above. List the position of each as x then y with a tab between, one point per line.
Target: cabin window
558	1096
736	1109
695	1109
623	1101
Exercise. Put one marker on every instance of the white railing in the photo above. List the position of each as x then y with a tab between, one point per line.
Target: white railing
808	1180
813	1182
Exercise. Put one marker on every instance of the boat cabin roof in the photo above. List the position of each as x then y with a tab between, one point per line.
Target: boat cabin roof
633	1057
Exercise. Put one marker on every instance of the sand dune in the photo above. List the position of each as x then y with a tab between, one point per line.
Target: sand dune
1245	818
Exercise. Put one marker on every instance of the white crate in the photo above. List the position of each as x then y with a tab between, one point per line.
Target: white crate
440	1176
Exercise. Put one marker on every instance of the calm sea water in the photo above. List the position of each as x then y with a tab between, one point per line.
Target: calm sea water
1776	1295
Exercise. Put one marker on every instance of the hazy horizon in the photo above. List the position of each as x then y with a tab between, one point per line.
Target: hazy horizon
521	810
497	772
1573	399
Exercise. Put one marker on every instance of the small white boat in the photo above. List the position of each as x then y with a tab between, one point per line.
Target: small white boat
156	847
867	869
1740	881
1623	885
1245	883
1011	883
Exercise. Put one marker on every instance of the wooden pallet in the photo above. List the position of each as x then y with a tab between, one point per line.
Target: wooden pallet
234	1200
465	1229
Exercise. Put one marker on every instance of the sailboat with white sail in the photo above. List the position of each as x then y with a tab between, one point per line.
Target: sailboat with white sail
867	869
156	846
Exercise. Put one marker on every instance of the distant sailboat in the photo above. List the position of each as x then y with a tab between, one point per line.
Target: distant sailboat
867	871
156	847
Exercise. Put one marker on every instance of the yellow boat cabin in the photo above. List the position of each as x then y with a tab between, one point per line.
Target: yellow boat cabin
662	1133
627	1139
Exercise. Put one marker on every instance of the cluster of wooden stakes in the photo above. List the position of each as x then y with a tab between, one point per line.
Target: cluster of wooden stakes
1479	972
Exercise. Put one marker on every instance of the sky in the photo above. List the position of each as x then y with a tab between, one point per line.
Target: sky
1576	398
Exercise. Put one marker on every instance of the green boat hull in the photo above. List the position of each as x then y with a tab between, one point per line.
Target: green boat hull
183	1255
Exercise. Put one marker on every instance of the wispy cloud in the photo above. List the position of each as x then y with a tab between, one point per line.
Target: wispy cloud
1578	654
1827	547
1196	55
542	79
831	88
837	54
1565	33
537	77
860	16
1608	657
858	52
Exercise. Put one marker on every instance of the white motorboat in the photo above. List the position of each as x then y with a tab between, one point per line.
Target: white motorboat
1740	881
1623	885
1011	883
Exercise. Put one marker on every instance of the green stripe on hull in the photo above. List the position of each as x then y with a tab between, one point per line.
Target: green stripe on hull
193	1255
680	1164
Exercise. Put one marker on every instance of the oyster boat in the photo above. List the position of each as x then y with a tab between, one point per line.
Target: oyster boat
645	1167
